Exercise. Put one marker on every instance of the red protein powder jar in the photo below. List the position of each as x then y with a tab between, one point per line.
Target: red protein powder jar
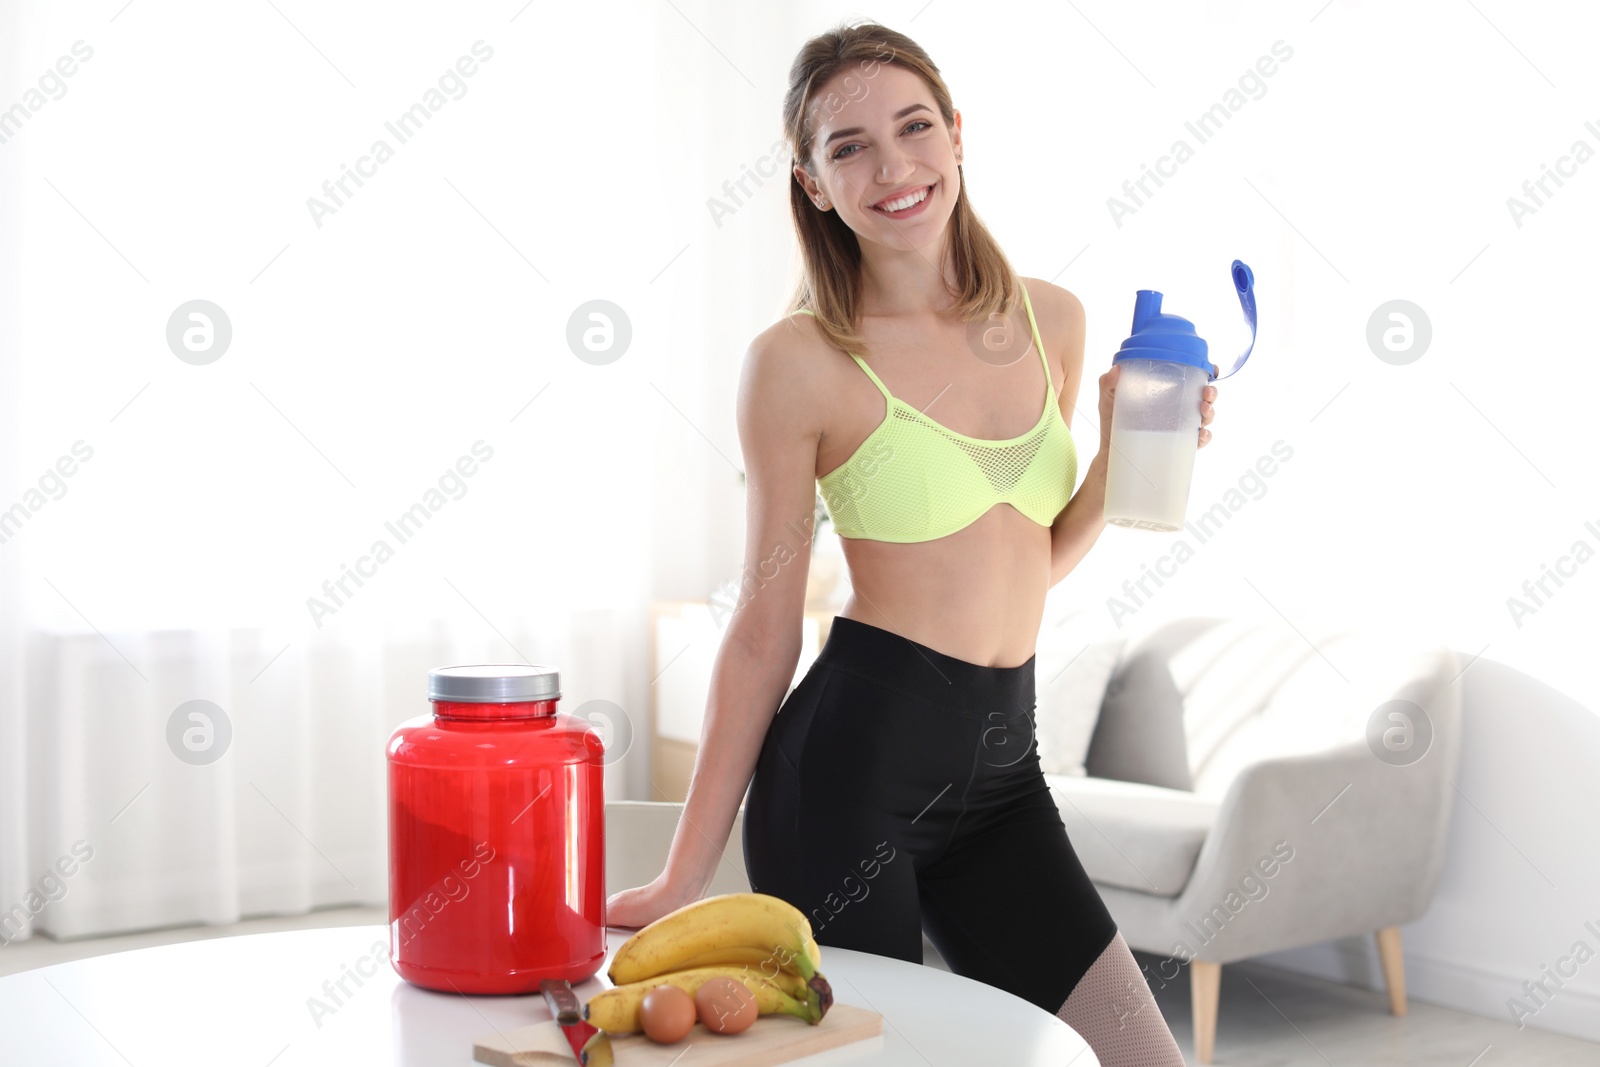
496	835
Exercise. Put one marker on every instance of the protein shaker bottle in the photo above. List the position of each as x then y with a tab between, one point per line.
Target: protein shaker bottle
1155	420
496	835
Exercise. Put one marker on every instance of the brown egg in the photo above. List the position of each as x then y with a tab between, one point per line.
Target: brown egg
666	1013
725	1005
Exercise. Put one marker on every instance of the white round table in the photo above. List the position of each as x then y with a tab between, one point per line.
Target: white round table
252	1001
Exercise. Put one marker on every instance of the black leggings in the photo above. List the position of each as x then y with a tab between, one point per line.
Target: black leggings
899	790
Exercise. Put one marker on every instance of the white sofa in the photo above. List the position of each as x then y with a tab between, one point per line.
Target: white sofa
1248	787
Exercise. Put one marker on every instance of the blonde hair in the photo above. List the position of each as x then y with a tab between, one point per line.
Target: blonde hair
985	282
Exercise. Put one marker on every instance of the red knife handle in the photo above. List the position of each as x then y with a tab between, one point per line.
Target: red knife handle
568	1012
578	1035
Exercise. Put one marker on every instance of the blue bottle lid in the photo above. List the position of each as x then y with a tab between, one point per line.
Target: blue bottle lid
1172	337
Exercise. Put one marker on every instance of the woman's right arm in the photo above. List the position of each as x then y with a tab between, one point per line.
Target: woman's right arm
779	420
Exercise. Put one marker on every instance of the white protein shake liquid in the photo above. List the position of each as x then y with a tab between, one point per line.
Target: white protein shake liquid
1147	478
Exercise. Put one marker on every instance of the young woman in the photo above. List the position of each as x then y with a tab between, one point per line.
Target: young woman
897	790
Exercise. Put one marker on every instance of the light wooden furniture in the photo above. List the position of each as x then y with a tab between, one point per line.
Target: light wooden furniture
685	637
1205	983
1394	968
1205	987
772	1039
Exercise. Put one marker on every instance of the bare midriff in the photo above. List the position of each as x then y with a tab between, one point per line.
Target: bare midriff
977	594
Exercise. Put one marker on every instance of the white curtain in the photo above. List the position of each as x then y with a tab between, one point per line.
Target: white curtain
415	345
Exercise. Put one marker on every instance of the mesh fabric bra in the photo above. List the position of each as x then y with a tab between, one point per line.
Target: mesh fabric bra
915	480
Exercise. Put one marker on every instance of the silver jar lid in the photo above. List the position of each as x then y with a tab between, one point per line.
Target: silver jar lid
494	683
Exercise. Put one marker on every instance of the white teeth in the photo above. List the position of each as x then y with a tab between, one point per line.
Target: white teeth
905	201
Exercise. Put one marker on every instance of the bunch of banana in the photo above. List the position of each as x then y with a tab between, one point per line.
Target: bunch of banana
761	940
617	1009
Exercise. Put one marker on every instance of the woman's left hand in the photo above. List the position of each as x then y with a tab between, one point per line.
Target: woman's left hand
1207	411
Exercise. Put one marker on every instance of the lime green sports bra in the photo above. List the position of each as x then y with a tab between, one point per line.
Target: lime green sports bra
915	480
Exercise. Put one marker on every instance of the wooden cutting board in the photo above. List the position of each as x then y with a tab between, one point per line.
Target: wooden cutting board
771	1039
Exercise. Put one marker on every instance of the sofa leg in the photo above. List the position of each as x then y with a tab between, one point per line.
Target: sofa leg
1394	968
1205	983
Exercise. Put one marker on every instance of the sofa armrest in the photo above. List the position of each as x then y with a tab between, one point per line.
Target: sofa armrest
1317	846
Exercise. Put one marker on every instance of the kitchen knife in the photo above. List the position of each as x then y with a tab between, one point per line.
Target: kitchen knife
590	1046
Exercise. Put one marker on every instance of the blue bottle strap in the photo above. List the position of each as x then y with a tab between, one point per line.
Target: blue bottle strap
1244	280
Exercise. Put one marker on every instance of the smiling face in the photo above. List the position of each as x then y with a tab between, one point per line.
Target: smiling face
880	144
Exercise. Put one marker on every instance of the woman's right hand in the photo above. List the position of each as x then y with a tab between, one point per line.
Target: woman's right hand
644	905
